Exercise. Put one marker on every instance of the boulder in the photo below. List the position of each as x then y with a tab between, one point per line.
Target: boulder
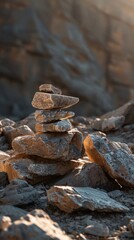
49	145
108	124
69	199
114	157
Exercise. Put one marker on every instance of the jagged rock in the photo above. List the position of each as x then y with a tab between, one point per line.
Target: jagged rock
11	132
108	124
59	126
35	171
49	88
47	101
114	157
88	175
97	229
52	115
69	199
5	222
3	179
35	225
3	155
14	213
49	145
18	192
126	110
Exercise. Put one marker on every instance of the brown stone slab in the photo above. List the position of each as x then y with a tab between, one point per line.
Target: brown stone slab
43	116
53	101
59	126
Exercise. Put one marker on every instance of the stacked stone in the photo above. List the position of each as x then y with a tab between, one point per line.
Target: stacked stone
55	148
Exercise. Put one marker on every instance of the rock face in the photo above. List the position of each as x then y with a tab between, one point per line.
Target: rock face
35	225
65	40
69	199
114	157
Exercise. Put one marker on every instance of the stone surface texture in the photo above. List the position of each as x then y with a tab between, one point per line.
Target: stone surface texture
49	145
18	192
58	126
43	116
69	199
63	43
114	157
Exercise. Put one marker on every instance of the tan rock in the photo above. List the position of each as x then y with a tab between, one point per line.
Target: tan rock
7	122
49	88
49	145
126	110
59	126
114	157
69	199
34	225
53	101
50	116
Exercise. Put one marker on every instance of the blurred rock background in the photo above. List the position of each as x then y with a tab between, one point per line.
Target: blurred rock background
85	47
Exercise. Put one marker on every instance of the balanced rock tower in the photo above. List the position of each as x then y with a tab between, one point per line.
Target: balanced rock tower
55	148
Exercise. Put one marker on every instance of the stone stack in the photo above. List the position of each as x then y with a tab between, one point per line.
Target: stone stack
55	147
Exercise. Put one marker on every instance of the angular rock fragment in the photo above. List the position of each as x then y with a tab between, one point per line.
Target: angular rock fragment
64	146
126	110
18	192
35	171
97	229
11	132
108	124
69	199
88	175
114	157
43	116
36	225
54	169
59	126
53	101
49	88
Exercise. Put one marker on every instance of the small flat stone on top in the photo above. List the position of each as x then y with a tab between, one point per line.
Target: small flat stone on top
59	126
49	88
43	116
46	101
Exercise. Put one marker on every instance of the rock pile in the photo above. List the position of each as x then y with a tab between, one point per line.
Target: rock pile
55	146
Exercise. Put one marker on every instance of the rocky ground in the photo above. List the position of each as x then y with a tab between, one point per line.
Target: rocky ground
66	177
